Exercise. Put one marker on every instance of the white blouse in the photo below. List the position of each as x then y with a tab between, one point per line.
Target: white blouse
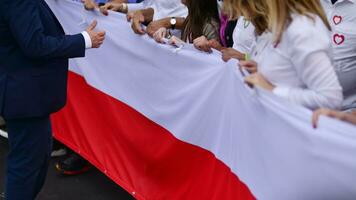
342	18
244	36
300	65
162	8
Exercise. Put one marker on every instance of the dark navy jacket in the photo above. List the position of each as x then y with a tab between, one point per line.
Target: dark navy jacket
34	54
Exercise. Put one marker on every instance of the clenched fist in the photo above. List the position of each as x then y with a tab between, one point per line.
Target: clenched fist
97	37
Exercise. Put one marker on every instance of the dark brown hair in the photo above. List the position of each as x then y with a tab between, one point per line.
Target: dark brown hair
200	12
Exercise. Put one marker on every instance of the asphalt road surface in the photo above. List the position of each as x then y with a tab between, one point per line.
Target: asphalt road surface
90	186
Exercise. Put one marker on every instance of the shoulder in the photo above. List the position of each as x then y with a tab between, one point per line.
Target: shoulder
308	32
309	21
311	25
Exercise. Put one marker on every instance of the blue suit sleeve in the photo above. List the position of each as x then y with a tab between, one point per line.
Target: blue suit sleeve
23	18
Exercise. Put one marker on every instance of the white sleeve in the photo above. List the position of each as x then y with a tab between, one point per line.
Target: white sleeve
309	48
135	6
322	86
87	39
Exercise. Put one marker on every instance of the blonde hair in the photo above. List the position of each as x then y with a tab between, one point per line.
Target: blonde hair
280	14
254	11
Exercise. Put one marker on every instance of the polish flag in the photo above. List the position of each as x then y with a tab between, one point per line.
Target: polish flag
167	123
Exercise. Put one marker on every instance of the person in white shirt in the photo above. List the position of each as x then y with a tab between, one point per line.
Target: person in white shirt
244	35
342	17
296	62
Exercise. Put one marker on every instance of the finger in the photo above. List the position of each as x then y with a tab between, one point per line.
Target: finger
225	58
150	32
251	79
92	25
104	10
101	38
136	26
161	35
197	40
250	70
198	46
245	64
88	5
173	42
128	17
207	48
101	33
315	118
210	50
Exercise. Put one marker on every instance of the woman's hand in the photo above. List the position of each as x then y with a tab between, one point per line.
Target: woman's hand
249	65
160	34
202	44
216	45
130	15
137	19
258	80
229	53
154	26
176	42
117	7
343	116
89	4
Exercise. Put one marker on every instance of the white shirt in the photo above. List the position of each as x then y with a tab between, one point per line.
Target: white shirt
162	8
87	39
342	18
300	66
244	36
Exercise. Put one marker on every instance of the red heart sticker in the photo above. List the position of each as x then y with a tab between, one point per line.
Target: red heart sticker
339	39
337	19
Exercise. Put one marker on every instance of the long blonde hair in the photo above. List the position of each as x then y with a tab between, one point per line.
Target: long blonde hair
254	11
280	12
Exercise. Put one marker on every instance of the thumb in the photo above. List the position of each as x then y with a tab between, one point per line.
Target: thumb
104	10
315	118
92	25
141	19
246	64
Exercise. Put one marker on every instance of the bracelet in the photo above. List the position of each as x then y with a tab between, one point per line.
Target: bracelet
124	8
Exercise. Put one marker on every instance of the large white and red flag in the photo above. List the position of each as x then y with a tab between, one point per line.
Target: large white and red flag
181	124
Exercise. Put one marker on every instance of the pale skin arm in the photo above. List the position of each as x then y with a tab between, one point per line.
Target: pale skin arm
164	23
89	4
229	53
114	5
